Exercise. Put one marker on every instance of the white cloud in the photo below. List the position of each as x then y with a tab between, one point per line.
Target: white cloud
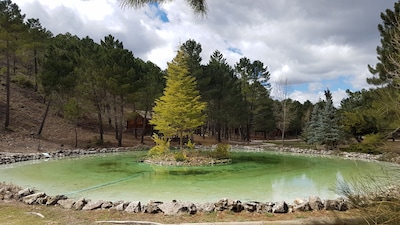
307	42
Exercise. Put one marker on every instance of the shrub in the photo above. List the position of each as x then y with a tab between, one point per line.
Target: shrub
222	151
371	144
180	156
190	144
23	81
162	146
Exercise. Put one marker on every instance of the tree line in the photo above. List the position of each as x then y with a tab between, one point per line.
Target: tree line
106	83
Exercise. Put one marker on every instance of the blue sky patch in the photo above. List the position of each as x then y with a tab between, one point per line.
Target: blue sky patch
235	50
159	13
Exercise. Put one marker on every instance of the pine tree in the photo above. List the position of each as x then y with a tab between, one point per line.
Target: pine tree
323	128
179	110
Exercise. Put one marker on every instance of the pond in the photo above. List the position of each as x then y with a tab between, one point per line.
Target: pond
259	176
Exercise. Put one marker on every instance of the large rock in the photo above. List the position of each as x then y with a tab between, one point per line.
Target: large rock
31	199
250	206
66	203
302	207
24	192
315	203
178	208
80	203
280	207
152	207
92	205
52	200
134	207
121	206
207	207
235	206
221	205
336	204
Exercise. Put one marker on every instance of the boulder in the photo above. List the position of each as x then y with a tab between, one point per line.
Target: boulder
42	201
134	207
280	207
66	203
235	206
175	208
250	206
152	207
80	203
31	199
207	207
315	203
24	192
52	200
303	207
337	204
121	206
92	205
221	205
106	205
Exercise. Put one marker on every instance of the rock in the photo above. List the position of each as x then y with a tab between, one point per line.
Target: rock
42	201
134	207
235	206
152	207
280	207
52	200
250	206
80	204
221	205
92	205
315	203
31	199
175	208
66	203
106	205
24	192
121	206
206	207
303	207
336	204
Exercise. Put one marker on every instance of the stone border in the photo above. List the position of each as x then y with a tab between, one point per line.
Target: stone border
32	197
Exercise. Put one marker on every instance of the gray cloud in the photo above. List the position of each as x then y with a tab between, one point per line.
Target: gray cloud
307	42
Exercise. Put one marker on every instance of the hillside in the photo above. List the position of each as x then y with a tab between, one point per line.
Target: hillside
27	109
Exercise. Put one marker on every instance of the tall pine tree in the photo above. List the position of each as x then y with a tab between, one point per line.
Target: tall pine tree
180	109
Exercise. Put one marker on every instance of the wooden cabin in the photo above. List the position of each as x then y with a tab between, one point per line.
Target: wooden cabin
136	121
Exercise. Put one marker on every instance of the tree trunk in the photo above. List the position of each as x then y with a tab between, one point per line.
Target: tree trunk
120	127
143	128
100	122
44	118
36	68
7	116
76	136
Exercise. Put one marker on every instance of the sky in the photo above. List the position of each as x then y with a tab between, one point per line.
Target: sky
314	45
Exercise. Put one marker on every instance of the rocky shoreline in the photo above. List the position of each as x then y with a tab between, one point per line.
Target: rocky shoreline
31	197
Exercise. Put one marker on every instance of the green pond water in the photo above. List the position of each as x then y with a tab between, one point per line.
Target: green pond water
263	176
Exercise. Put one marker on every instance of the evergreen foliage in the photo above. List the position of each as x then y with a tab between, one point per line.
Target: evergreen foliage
180	109
323	128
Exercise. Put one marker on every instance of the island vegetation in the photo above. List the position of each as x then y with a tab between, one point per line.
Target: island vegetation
103	84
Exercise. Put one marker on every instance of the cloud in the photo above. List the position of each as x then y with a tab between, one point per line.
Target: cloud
311	43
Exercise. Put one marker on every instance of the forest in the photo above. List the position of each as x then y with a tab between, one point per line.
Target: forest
86	80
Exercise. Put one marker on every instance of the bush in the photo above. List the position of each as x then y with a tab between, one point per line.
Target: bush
162	146
180	156
222	151
23	81
371	144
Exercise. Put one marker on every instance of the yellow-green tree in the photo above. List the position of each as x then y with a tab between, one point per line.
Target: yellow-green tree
180	109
